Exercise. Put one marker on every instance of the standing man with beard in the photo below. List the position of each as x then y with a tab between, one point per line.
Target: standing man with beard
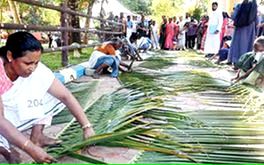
212	42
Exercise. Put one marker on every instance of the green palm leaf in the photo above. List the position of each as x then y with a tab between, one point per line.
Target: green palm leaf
217	125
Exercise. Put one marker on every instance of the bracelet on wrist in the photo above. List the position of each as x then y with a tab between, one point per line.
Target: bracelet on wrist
88	125
25	144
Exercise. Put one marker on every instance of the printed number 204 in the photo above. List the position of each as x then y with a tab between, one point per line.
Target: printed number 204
34	103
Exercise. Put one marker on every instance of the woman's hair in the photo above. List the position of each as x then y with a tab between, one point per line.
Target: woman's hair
225	15
259	42
19	43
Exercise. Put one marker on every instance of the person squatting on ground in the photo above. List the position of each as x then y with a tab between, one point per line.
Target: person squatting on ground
105	56
31	95
251	62
129	50
222	53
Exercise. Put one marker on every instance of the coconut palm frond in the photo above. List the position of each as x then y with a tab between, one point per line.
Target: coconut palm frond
226	158
226	140
82	92
139	81
85	158
174	117
176	82
201	63
152	148
252	99
135	122
156	63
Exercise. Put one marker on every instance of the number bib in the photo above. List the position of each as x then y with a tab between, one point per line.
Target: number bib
30	108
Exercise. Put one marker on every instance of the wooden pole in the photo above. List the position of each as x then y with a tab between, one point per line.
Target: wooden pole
60	9
9	26
64	35
69	48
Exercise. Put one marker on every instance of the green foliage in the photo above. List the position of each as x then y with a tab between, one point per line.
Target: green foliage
50	17
138	6
201	63
82	93
166	7
198	119
4	15
252	98
229	112
199	9
128	122
40	16
137	80
53	60
197	13
31	14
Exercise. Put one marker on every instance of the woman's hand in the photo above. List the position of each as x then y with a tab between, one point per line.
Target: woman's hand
39	155
233	79
88	132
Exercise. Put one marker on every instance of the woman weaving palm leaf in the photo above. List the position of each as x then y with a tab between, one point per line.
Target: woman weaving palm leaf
31	95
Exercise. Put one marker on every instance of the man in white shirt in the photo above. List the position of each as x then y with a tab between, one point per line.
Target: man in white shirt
212	42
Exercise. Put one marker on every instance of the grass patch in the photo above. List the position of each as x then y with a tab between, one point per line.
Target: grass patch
53	60
156	63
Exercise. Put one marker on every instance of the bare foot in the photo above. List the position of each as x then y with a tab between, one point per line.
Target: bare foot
44	141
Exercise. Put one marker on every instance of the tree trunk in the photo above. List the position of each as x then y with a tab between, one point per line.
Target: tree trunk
74	22
13	8
87	21
64	36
